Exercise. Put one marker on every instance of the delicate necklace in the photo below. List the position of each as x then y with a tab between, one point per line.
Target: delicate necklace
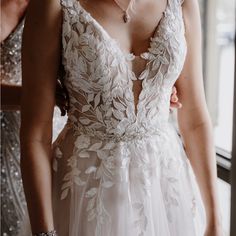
126	16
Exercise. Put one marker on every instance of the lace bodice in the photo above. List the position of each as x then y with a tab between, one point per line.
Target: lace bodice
100	81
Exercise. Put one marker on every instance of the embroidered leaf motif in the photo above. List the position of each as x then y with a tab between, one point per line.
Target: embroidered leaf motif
72	161
86	108
90	170
118	106
95	146
118	115
66	185
99	115
83	65
91	192
107	184
96	100
91	204
67	176
90	97
88	52
84	154
84	121
82	141
96	125
109	112
91	215
78	181
64	193
102	154
109	146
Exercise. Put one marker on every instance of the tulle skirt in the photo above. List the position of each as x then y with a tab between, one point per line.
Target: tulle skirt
141	186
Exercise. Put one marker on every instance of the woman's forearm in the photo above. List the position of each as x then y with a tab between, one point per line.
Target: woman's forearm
200	151
37	182
10	97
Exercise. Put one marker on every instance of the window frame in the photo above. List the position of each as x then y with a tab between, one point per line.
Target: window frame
223	158
233	159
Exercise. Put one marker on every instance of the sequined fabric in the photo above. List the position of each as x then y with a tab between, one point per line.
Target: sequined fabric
10	66
12	195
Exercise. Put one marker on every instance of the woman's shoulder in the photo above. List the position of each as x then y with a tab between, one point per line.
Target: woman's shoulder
43	16
189	5
191	13
45	8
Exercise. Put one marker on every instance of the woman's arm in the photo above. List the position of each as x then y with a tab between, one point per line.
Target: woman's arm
10	97
194	122
40	63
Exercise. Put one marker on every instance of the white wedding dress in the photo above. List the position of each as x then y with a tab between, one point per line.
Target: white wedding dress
120	168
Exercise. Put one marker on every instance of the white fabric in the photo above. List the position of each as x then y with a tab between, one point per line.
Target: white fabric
118	172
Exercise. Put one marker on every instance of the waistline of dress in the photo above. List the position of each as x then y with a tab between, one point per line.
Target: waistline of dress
125	137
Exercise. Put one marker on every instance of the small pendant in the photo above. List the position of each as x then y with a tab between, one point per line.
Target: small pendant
126	17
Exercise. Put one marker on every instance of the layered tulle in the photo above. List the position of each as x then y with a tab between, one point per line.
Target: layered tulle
140	187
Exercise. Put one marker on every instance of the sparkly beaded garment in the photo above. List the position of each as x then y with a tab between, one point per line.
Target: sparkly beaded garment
12	195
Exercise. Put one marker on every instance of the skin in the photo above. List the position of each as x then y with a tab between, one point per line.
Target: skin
194	121
43	27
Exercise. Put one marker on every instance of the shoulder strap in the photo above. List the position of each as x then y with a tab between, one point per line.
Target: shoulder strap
67	3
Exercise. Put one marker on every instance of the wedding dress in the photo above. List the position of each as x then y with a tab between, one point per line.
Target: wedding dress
120	168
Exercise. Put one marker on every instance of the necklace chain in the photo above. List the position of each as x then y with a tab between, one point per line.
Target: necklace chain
126	16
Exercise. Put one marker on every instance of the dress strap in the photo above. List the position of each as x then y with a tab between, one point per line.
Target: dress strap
67	3
71	6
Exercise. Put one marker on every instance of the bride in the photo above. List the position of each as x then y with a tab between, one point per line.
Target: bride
118	168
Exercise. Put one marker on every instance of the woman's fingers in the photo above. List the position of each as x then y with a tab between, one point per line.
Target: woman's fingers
175	105
174	90
174	100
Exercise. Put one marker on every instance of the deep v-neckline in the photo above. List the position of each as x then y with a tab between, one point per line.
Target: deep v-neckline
124	55
143	75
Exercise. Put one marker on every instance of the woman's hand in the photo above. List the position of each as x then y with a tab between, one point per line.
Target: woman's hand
62	98
174	100
214	225
214	230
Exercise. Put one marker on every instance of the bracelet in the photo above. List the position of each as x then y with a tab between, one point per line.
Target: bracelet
50	233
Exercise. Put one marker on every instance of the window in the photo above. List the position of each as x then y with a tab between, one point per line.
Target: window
225	27
218	26
218	20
